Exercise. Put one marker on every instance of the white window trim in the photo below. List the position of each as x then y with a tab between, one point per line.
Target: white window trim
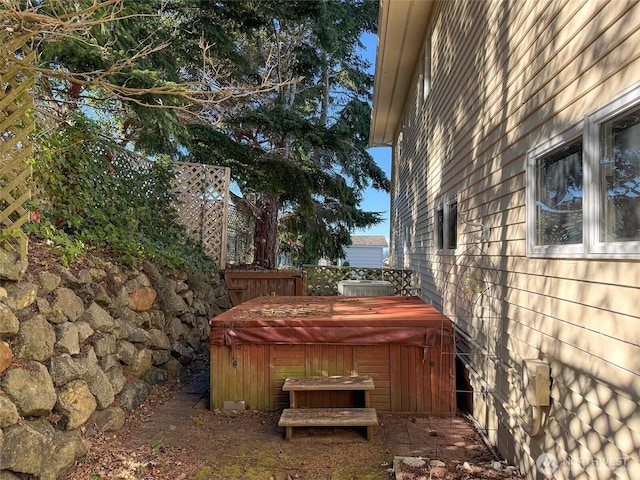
444	204
554	143
589	129
626	100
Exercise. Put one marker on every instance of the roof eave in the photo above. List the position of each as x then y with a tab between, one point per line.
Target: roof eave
401	31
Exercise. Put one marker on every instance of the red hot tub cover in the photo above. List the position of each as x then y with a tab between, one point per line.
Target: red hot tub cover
332	320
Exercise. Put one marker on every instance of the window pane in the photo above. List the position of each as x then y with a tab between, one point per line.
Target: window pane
453	226
620	178
558	197
440	228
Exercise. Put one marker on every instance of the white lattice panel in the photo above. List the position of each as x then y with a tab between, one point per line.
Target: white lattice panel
203	199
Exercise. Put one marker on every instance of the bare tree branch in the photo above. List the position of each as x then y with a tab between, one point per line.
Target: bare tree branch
29	23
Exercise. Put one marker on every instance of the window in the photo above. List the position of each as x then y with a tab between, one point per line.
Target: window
583	190
452	223
614	133
558	197
440	228
446	225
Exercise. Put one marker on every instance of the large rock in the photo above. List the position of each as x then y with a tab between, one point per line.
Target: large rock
157	319
97	274
138	361
48	281
175	328
142	363
89	361
36	448
108	361
133	394
101	388
63	369
160	356
99	383
123	328
140	319
30	388
117	379
69	447
6	356
108	420
130	331
8	412
139	280
98	318
200	307
44	307
139	335
87	294
171	302
104	344
9	324
67	338
35	339
173	367
183	353
84	277
28	447
158	340
20	295
75	404
156	376
69	279
84	330
101	295
126	352
141	299
66	306
188	318
12	264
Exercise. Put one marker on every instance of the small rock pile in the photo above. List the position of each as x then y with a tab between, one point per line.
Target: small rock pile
79	351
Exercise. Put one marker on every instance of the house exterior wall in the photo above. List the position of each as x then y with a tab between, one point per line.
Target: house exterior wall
504	78
369	256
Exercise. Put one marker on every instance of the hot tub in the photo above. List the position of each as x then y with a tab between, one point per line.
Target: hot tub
405	344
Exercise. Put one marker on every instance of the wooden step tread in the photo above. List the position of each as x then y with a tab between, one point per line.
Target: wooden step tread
328	417
361	382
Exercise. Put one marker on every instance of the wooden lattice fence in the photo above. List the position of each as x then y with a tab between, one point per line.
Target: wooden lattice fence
15	126
324	280
240	235
203	199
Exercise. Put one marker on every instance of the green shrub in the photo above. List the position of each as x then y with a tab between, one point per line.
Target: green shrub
92	194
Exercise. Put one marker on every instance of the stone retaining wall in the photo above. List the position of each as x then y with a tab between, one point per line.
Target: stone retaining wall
81	351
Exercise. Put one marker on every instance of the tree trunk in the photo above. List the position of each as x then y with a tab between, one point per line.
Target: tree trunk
266	232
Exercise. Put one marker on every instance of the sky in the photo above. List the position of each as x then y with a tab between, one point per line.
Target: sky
376	201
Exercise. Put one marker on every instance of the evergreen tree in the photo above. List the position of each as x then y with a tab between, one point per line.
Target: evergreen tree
301	151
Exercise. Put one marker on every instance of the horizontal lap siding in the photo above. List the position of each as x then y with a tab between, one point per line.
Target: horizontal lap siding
506	77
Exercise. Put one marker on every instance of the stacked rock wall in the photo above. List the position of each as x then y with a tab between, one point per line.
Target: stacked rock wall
82	350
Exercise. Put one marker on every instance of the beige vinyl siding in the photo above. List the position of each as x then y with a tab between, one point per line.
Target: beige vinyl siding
506	76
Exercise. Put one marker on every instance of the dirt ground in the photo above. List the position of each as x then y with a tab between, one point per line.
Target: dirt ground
175	435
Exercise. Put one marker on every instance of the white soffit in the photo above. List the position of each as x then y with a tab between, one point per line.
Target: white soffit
401	32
